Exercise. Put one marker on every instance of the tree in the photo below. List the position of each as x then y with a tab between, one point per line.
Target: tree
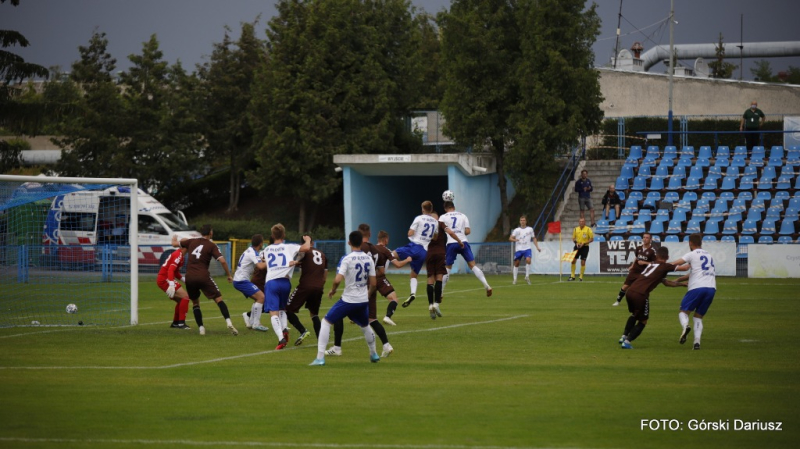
793	75
227	81
763	72
720	68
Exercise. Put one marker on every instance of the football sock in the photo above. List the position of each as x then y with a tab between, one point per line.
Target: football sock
317	324
479	274
391	308
338	332
629	325
583	269
276	326
637	330
177	313
183	310
224	309
620	295
255	314
445	278
292	317
413	286
572	270
430	294
527	269
684	319
698	329
437	292
370	337
377	327
322	338
515	270
198	315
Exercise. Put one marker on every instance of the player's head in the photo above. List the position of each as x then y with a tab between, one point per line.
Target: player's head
427	207
523	221
581	222
647	238
695	241
206	230
662	254
278	232
448	206
383	237
355	239
257	240
365	231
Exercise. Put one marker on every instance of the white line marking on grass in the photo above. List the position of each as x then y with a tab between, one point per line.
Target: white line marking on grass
240	356
252	443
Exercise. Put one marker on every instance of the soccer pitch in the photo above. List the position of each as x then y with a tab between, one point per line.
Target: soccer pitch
534	366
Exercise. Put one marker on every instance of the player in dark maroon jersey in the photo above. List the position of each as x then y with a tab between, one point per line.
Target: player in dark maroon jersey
168	281
638	294
646	253
385	287
199	252
435	264
314	272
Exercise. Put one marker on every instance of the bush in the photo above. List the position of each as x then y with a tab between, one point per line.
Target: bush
225	229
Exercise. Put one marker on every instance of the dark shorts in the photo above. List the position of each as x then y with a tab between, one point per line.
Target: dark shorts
436	265
583	252
385	287
638	305
205	285
311	298
632	275
585	203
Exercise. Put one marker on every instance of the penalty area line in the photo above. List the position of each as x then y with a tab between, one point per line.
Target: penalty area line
241	356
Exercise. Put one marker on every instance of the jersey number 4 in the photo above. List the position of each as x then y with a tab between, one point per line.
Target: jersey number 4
197	251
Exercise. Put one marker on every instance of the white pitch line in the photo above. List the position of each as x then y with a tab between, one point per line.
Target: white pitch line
253	443
240	356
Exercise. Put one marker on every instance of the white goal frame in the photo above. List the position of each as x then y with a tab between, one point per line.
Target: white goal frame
133	231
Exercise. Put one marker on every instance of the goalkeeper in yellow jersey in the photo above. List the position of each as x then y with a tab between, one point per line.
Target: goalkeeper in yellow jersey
582	236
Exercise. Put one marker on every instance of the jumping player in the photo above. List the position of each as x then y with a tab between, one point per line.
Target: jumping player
250	260
459	224
167	281
435	264
199	252
419	235
702	287
358	271
522	237
314	271
645	253
385	287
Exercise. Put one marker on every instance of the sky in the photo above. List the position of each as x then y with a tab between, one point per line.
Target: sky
187	29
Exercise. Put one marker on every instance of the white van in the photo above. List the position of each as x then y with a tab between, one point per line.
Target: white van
79	224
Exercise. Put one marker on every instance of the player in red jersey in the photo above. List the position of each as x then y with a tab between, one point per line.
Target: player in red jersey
167	281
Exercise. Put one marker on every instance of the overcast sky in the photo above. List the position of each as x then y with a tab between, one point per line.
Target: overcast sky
187	29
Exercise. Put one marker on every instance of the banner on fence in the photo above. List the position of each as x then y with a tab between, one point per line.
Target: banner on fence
773	261
724	254
616	257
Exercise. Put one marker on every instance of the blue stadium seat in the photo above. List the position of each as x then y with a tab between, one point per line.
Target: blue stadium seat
758	152
621	225
639	183
775	162
632	162
756	162
638	227
722	162
785	239
637	195
728	238
750	171
755	214
746	183
765	183
793	152
745	194
644	171
679	172
693	226
635	238
675	227
631	203
687	151
652	152
765	239
723	152
728	183
612	214
696	171
727	196
654	195
788	170
671	197
768	226
666	162
679	214
766	196
670	152
636	152
644	215
699	214
732	171
712	226
657	183
783	195
675	183
656	227
616	238
787	227
793	162
649	161
602	227
776	152
773	213
731	226
784	183
705	152
684	162
740	151
792	212
621	184
711	183
702	162
777	202
626	172
650	203
797	183
738	162
749	227
711	196
689	196
794	202
599	238
768	171
709	238
739	206
672	238
746	239
662	172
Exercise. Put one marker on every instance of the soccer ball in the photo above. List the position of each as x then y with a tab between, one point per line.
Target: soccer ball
448	195
72	308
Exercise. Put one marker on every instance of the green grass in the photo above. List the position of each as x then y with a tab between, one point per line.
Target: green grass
532	366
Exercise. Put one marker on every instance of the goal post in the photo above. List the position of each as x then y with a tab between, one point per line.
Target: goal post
68	240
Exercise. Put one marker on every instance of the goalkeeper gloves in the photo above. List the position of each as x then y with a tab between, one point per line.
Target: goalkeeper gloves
171	289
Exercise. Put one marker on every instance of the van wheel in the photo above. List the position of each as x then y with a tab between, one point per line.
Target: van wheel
164	256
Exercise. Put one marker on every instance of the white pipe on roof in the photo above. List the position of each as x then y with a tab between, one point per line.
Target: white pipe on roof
709	51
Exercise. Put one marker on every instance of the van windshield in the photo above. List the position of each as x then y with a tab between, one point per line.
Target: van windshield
174	223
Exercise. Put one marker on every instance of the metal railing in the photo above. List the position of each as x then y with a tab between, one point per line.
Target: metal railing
549	210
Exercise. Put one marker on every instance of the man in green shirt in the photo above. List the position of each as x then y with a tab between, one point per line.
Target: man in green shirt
752	120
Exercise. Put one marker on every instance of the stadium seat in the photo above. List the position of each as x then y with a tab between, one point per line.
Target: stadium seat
635	238
727	196
788	170
616	238
705	152
732	171
638	227
758	204
740	151
773	214
746	239
712	226
671	197
728	238
679	214
709	238
621	184
785	239
710	196
794	203
784	183
702	162
710	183
684	162
765	239
652	152
699	214
679	172
621	225
738	162
670	151
750	170
776	152
793	162
675	183
793	153
631	162
791	212
755	214
636	152
728	183
656	227
631	203
765	183
689	196
626	172
756	162
666	162
783	195
687	151
745	194
675	227
599	238
797	183
777	203
639	183
749	227
775	162
787	227
655	195
731	226
649	161
768	226
644	171
746	183
644	215
672	238
723	152
769	171
650	203
694	226
638	195
739	206
662	172
758	152
696	171
722	162
657	183
602	227
766	196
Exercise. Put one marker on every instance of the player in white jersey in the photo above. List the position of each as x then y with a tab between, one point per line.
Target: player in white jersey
522	237
419	235
357	270
459	224
251	259
279	258
702	287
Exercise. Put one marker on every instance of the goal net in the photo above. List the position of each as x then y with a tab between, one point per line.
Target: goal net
68	241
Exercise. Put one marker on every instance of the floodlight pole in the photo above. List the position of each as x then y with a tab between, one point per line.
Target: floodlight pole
671	67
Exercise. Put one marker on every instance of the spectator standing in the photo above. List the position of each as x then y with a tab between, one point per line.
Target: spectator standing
752	121
584	188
